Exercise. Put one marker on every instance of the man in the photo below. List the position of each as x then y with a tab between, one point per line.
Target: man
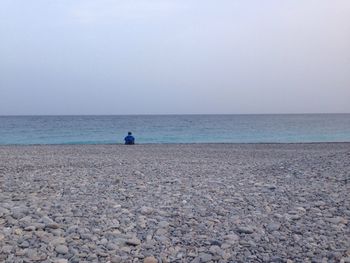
129	139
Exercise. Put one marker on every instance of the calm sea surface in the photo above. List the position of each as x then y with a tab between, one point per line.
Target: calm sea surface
175	129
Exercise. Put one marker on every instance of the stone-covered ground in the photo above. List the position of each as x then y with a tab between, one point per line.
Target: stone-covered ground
175	203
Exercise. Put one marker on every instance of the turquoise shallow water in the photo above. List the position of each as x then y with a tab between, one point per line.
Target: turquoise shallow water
175	129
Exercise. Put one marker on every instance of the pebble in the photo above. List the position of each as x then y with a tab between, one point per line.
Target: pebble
112	246
6	249
205	257
271	186
33	255
24	244
215	243
273	227
163	224
146	210
61	249
345	260
245	230
336	220
48	222
133	242
150	259
4	211
18	231
58	241
30	228
116	259
320	203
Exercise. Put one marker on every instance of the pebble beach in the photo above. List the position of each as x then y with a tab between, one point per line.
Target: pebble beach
160	203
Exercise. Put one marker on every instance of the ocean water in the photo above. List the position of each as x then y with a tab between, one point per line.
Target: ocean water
175	129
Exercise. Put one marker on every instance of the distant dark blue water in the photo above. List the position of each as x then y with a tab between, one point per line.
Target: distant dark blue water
175	129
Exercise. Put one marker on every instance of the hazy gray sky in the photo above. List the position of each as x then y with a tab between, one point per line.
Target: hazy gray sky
174	56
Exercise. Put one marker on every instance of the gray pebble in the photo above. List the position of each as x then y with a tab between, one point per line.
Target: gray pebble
61	249
245	230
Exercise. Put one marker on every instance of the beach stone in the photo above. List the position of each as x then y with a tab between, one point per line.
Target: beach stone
33	255
46	220
245	230
75	258
233	237
150	259
161	232
300	209
24	244
138	173
61	249
215	243
4	211
230	240
116	259
205	257
49	223
103	241
336	220
133	242
92	257
72	229
276	259
25	221
18	212
226	245
146	210
163	224
273	227
30	228
20	252
58	241
270	186
112	246
101	253
142	222
320	203
216	250
6	249
18	231
292	217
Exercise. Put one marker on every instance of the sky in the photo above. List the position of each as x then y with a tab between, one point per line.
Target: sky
174	57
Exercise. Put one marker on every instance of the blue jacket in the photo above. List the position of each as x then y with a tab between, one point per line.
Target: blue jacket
129	139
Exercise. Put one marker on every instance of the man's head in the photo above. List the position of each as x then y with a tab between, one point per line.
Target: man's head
129	133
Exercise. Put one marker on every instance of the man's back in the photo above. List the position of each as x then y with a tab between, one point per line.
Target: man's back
129	139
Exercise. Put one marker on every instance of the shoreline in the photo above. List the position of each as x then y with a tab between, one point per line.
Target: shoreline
177	143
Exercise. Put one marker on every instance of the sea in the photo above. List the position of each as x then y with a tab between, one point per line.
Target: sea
111	129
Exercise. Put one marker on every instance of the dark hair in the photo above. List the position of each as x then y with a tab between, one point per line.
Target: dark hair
129	133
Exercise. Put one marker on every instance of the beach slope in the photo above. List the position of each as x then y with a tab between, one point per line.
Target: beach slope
175	203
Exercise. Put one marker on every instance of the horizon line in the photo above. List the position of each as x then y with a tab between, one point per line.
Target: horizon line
170	114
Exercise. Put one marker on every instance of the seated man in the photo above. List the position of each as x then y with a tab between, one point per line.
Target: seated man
129	139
